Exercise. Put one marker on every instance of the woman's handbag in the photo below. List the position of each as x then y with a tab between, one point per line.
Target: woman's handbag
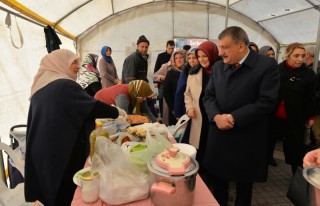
298	192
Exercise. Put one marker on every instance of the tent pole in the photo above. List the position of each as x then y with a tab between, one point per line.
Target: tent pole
172	11
316	52
208	20
227	13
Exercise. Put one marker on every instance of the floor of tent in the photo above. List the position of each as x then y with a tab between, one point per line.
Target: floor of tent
273	192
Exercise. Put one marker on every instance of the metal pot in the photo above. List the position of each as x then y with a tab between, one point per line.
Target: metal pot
172	189
312	175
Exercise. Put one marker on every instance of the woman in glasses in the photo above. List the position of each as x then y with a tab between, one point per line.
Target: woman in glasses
60	120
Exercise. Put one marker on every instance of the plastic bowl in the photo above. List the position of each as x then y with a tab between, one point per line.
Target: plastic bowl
188	149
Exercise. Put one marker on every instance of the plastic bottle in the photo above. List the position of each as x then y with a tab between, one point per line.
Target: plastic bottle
98	131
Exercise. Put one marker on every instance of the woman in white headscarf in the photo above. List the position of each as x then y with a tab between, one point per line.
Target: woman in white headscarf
89	76
60	120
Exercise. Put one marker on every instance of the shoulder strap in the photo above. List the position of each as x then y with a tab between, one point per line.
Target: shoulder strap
8	23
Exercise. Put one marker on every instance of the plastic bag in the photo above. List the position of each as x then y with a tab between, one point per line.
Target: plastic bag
138	158
156	142
114	126
120	181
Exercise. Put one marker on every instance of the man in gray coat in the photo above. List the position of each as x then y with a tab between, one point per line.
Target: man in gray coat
241	93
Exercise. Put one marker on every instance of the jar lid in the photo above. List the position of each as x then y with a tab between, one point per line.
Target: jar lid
87	175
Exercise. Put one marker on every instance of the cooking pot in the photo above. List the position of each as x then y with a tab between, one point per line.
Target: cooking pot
173	184
312	175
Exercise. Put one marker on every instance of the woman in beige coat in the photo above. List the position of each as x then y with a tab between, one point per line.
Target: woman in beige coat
207	55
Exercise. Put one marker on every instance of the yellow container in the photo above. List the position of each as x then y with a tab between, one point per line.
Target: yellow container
98	131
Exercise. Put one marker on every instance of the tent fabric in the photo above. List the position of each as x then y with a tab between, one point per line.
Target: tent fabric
17	69
119	23
76	16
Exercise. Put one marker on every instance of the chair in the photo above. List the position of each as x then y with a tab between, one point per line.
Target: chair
180	128
18	140
12	197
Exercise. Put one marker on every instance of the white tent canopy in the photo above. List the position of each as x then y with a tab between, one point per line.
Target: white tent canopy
86	25
278	17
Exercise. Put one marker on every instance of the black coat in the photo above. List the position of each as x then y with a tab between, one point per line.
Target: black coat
135	67
169	92
310	66
318	95
60	120
297	90
52	39
162	58
249	93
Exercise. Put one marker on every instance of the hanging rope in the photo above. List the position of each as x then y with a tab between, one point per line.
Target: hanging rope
8	23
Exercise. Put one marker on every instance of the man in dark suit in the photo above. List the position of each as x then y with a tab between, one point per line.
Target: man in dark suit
241	93
315	130
163	58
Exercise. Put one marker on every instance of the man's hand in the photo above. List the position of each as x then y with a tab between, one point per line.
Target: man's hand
224	121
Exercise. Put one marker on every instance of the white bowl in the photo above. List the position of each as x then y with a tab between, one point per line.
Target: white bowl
188	149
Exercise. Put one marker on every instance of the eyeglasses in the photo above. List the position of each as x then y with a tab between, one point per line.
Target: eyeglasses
76	62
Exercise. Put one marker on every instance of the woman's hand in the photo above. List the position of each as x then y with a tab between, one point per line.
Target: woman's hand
312	158
309	123
122	113
192	113
155	85
117	81
162	77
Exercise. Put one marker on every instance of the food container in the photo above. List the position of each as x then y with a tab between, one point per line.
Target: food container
173	184
90	186
187	149
312	175
111	127
137	119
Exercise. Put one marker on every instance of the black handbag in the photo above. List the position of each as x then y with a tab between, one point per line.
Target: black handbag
298	192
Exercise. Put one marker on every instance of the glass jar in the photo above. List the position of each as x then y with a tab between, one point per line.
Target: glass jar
90	187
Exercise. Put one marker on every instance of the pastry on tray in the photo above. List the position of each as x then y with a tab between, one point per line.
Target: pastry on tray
137	119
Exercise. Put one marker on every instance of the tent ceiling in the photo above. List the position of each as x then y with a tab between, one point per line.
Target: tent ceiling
286	20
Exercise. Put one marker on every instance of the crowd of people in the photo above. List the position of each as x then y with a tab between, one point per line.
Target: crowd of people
239	99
